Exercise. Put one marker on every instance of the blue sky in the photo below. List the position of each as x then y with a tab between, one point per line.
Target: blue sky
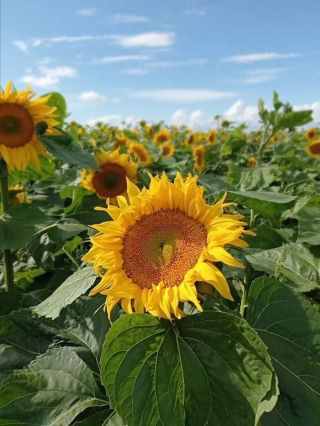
182	61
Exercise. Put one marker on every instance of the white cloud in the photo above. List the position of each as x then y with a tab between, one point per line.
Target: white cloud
21	45
196	12
182	95
149	39
90	11
262	75
129	19
122	58
115	120
92	96
136	71
176	64
256	57
49	76
240	112
196	120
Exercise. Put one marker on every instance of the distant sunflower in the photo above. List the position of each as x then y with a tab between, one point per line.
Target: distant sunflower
313	149
110	180
212	136
140	153
252	162
311	134
121	140
199	153
19	115
162	136
168	149
161	242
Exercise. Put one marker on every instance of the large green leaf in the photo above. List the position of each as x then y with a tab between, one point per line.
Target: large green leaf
309	225
58	101
209	368
269	204
292	262
69	153
18	226
22	338
51	391
247	179
73	287
290	326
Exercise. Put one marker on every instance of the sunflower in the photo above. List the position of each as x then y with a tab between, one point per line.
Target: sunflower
212	137
161	242
20	196
199	158
313	149
110	180
140	153
311	134
19	115
168	149
252	162
121	140
162	136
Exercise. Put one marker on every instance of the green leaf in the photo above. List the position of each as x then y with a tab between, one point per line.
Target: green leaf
292	262
22	338
64	231
69	153
247	179
51	391
309	225
292	119
290	326
18	226
73	287
114	420
58	101
96	419
209	368
269	204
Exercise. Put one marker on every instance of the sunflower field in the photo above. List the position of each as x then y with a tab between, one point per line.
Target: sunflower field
153	275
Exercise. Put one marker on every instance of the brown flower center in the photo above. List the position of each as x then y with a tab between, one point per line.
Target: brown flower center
162	246
110	180
16	125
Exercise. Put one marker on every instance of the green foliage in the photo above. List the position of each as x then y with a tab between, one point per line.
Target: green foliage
73	287
206	369
290	327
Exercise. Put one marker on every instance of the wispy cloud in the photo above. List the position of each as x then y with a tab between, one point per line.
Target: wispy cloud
176	64
196	12
196	120
256	57
129	19
90	11
182	95
92	96
240	112
136	71
49	77
115	120
149	39
262	75
21	45
122	58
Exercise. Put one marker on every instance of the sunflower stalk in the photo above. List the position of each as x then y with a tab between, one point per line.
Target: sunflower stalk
7	255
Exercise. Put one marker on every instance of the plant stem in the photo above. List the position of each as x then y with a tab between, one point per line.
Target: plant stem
7	255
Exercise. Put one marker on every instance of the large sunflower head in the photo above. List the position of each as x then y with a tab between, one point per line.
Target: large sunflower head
161	243
313	149
19	115
110	180
311	134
